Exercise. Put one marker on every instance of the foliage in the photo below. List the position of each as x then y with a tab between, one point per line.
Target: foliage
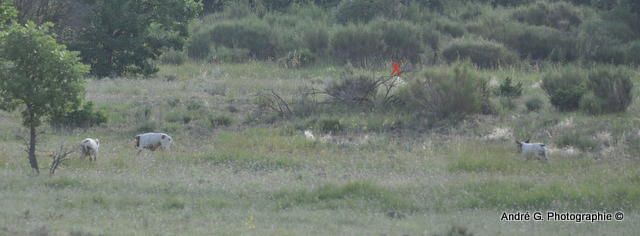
534	104
610	91
330	125
39	76
447	94
362	10
485	54
124	35
8	13
565	87
401	39
252	34
508	89
356	44
83	117
298	58
353	89
559	15
173	57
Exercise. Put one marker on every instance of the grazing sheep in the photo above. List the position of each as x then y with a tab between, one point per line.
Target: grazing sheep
90	148
152	141
532	149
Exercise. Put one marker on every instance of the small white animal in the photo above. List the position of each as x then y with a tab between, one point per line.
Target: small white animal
90	148
532	149
152	141
309	135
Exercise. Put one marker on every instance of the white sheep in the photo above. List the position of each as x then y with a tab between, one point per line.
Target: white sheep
90	148
152	141
532	149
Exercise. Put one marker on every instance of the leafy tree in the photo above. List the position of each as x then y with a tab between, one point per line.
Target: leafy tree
8	13
38	76
124	35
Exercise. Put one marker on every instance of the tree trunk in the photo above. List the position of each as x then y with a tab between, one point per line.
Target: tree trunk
32	146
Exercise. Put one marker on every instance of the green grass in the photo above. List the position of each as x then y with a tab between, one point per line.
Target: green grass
260	178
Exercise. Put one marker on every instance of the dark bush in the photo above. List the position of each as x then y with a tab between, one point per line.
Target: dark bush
356	44
508	89
252	34
610	91
234	55
330	125
560	15
540	43
198	44
602	41
173	57
632	52
565	87
297	59
316	39
401	39
84	117
451	28
352	89
534	104
447	94
482	53
220	121
362	10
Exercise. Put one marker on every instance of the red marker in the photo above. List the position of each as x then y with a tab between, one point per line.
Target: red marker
396	69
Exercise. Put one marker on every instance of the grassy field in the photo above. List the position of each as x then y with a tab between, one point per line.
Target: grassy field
230	173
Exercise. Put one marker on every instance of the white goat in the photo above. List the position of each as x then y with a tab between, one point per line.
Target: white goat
532	149
152	141
90	148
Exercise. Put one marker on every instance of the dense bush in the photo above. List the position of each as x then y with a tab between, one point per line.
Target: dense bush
198	45
297	59
84	117
352	89
252	34
401	39
542	43
610	91
508	89
602	41
362	10
560	15
447	94
565	87
235	55
172	57
316	38
482	53
356	44
534	104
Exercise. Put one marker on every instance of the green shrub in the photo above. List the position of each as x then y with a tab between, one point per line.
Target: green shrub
484	54
540	43
220	121
508	89
330	125
147	126
251	33
447	94
534	104
172	57
451	28
401	39
233	55
84	117
356	44
610	91
316	38
362	10
298	58
602	41
198	44
632	52
565	87
559	15
353	89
